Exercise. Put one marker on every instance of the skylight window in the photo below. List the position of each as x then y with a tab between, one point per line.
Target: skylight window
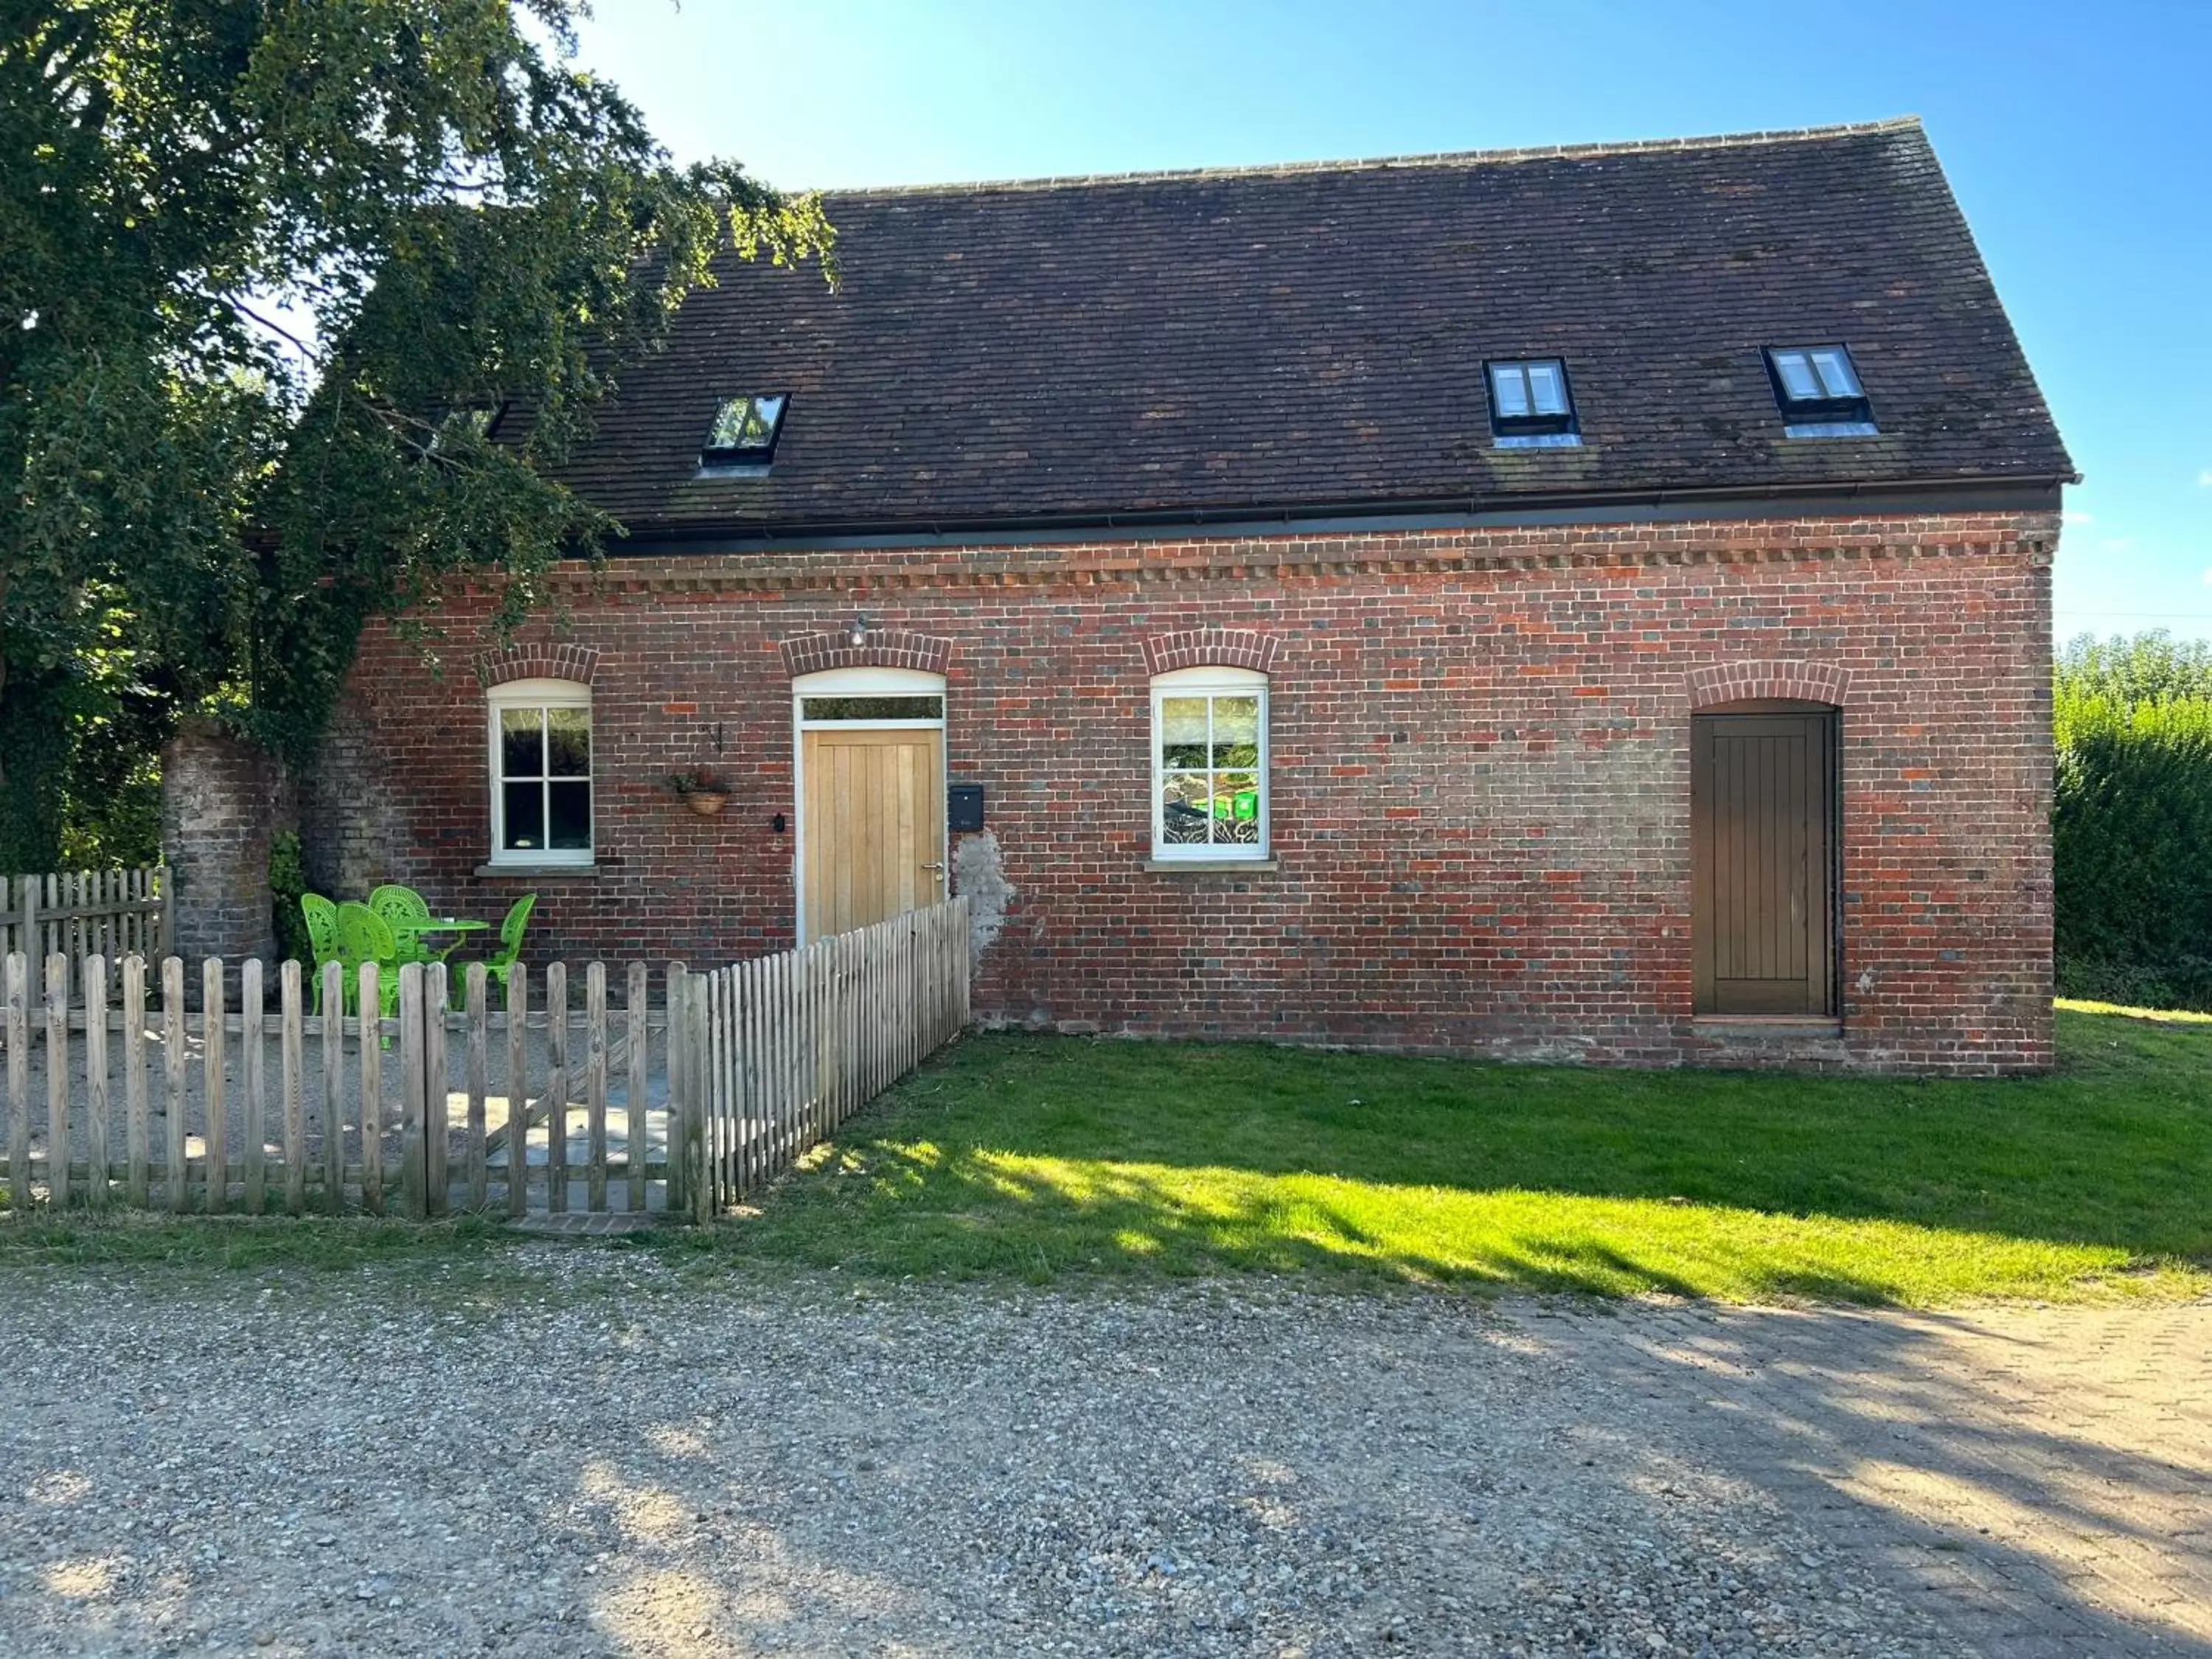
1530	406
477	420
744	432
1819	393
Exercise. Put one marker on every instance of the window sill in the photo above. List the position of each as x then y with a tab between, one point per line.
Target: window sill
1213	866
541	871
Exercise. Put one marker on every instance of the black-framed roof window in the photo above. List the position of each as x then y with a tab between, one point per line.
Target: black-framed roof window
1530	401
1817	391
479	421
744	431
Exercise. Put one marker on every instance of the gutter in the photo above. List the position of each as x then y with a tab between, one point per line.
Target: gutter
1441	513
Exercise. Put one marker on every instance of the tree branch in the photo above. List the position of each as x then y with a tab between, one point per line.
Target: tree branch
283	333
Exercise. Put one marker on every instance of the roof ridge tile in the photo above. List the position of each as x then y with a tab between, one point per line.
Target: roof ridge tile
1439	159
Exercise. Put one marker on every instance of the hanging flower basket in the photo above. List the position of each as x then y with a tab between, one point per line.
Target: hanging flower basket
703	792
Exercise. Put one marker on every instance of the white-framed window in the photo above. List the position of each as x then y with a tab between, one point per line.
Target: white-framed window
541	771
1210	764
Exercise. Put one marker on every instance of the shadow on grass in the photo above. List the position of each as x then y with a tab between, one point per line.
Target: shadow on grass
1035	1156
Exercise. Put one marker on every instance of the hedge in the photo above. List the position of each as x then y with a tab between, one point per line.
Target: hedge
2132	821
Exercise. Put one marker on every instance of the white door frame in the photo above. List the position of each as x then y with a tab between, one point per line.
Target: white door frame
857	683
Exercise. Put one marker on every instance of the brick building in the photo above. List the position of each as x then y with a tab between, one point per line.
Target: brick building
1588	603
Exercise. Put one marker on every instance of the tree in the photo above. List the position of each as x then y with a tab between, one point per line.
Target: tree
269	272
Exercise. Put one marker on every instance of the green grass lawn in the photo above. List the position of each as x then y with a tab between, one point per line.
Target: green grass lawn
1051	1157
1040	1156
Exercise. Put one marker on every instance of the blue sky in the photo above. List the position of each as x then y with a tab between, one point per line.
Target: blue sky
2078	138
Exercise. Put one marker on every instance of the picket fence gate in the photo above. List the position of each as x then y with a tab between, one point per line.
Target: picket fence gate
676	1104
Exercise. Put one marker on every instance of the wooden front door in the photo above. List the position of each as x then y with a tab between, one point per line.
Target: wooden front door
874	817
1763	884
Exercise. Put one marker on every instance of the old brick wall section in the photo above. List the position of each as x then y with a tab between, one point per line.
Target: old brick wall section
220	800
1480	747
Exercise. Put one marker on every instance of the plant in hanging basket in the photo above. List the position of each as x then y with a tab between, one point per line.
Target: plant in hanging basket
702	792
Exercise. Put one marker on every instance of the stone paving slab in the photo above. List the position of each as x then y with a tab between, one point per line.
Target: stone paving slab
2040	1477
587	1224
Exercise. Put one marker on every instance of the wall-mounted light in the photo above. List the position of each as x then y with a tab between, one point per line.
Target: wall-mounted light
859	635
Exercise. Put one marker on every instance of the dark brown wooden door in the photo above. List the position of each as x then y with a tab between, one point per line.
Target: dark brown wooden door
1762	814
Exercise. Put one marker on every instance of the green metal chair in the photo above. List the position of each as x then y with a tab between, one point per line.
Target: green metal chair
364	936
322	918
405	914
510	938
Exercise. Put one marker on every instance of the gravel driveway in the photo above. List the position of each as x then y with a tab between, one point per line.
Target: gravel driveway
595	1456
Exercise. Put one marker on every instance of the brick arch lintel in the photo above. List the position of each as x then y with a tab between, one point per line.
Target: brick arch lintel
809	653
537	662
1805	681
1212	647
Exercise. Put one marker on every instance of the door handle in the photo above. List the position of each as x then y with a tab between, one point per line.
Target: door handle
939	868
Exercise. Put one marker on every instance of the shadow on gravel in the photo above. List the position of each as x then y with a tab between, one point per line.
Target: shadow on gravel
625	1464
2045	1474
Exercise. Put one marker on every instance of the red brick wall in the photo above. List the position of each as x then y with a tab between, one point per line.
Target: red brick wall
1480	787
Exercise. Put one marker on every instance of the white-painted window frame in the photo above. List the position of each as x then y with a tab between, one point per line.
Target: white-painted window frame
1210	681
541	693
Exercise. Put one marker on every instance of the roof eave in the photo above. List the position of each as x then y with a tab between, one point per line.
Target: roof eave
1981	493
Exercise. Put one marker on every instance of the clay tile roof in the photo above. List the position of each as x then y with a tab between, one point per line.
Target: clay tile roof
1312	337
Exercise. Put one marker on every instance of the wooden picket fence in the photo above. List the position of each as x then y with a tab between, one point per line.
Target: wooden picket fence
91	913
785	1049
344	1114
678	1102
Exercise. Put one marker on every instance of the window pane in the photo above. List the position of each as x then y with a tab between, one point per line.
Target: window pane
872	708
1236	808
571	816
568	743
1509	390
730	421
525	829
1797	378
1835	369
1235	731
1183	797
1182	732
1547	388
521	743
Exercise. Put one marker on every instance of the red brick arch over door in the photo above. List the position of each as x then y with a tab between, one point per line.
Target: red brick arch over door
1780	678
809	653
